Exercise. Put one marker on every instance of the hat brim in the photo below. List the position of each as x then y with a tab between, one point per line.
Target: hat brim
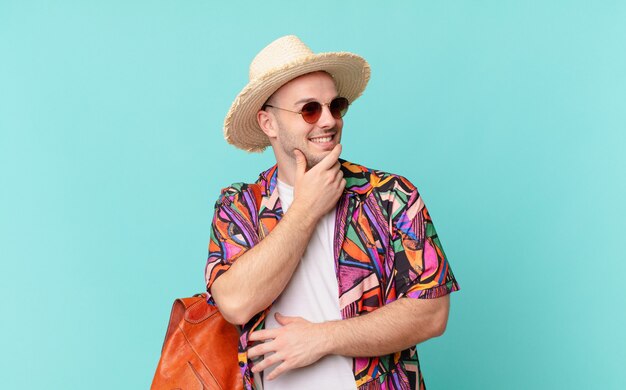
241	129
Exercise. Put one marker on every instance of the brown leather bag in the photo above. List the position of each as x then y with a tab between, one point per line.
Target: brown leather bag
200	349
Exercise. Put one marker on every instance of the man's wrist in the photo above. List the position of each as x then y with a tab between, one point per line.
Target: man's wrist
327	334
303	215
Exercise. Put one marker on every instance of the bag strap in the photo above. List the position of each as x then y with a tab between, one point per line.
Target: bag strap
178	312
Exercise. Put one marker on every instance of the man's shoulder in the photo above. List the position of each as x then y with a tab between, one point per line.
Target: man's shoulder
364	180
261	187
236	191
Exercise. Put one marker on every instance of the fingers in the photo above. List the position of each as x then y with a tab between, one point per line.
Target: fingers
260	350
281	319
264	334
281	369
285	320
331	158
338	182
265	363
339	175
300	163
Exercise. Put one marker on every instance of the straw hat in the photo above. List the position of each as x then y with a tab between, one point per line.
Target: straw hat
281	61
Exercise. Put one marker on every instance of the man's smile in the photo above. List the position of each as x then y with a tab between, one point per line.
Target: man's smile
321	139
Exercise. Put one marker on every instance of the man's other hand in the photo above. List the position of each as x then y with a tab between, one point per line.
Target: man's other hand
295	344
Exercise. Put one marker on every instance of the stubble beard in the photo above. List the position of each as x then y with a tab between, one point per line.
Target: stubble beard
289	143
311	159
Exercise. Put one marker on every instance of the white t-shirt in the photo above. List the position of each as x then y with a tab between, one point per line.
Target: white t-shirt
313	294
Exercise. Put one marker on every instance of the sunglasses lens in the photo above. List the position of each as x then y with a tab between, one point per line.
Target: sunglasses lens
339	107
311	112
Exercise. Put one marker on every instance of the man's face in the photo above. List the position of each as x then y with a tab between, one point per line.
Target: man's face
315	140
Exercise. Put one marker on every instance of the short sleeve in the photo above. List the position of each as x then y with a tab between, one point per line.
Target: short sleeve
421	268
232	232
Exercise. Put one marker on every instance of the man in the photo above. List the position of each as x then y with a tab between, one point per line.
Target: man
334	270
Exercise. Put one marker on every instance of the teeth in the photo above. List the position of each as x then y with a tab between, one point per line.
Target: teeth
321	140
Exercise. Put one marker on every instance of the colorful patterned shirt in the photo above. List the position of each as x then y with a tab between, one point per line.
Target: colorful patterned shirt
386	247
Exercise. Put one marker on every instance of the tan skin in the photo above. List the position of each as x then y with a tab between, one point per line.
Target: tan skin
312	168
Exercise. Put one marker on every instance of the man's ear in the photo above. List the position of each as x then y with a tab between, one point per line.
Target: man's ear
267	123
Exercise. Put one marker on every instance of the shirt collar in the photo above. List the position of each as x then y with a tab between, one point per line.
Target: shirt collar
357	179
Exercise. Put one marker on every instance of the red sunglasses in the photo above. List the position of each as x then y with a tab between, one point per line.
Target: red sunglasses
312	111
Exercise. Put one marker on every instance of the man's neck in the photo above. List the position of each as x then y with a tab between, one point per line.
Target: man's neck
285	176
286	170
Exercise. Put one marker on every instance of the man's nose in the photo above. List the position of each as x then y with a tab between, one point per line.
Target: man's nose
326	121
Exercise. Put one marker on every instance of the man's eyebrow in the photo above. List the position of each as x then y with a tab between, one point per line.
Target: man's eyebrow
306	100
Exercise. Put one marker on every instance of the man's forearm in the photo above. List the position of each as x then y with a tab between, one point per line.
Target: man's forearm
391	328
258	277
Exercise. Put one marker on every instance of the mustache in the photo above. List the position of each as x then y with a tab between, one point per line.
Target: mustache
326	133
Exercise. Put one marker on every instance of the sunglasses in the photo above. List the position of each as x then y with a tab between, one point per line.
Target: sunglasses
312	111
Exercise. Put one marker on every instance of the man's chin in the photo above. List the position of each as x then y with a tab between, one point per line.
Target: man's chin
314	159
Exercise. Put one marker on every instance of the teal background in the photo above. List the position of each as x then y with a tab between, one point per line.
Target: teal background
509	116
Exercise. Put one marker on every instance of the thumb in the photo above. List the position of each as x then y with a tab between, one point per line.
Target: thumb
283	320
300	163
